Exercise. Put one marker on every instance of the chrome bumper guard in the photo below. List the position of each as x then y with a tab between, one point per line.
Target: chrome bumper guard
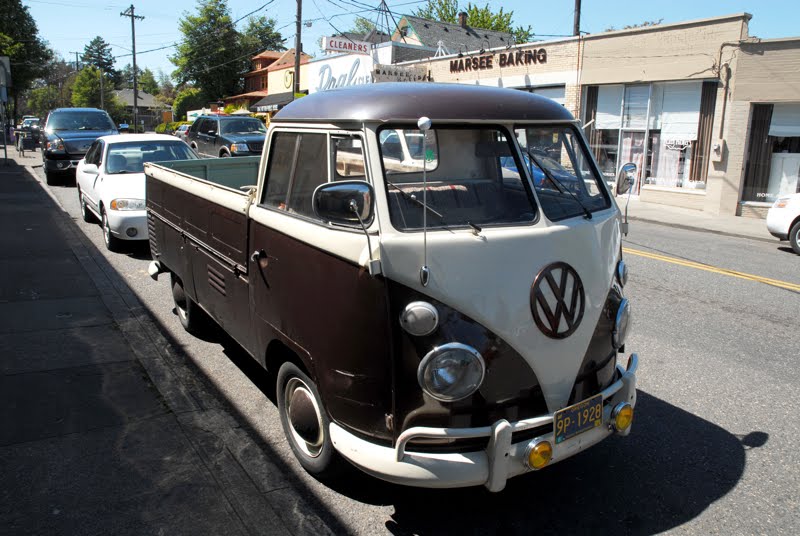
491	467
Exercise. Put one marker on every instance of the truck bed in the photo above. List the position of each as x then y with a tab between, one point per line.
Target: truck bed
233	173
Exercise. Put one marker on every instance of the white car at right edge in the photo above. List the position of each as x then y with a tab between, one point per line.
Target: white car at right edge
783	220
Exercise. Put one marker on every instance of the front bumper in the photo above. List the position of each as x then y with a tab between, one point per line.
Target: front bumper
491	467
61	164
778	222
120	221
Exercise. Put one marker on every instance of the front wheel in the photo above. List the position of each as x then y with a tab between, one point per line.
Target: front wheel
305	423
86	214
794	237
112	242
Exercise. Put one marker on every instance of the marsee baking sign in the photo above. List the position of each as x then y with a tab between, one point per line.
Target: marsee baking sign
342	71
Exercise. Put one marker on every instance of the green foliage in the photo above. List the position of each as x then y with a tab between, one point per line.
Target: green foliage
98	53
361	26
42	100
188	99
477	17
125	80
86	90
19	39
162	128
213	55
644	24
147	82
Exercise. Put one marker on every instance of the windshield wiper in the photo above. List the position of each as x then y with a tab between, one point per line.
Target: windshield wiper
561	187
421	204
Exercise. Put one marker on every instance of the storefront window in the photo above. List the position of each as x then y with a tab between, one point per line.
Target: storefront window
773	163
669	145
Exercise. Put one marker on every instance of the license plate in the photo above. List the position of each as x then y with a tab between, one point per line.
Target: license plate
578	418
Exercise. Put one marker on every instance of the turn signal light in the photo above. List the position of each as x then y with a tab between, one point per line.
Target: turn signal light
622	416
539	454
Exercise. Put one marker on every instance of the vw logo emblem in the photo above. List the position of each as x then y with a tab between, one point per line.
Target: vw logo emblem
558	300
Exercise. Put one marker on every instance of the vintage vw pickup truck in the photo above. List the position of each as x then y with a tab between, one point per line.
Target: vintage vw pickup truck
429	315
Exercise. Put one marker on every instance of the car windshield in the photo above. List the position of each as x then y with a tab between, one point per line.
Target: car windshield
29	123
559	166
466	186
129	157
79	121
242	126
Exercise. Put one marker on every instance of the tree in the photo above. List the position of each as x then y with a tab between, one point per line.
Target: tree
477	17
98	53
644	24
213	55
86	91
125	79
147	82
188	99
19	39
209	55
361	26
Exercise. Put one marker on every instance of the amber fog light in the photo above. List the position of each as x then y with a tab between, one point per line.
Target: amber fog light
622	416
539	454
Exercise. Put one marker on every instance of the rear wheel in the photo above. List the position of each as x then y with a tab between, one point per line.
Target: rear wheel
305	423
192	317
794	237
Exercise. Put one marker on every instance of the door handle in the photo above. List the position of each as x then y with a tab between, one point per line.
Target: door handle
257	255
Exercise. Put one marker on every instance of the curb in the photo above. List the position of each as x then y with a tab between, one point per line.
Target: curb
703	230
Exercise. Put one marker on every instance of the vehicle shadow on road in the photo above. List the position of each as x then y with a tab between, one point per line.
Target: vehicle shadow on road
668	471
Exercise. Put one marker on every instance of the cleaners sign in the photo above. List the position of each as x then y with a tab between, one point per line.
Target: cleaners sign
341	44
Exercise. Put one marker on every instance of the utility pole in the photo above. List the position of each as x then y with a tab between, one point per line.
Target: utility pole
576	26
77	64
131	13
298	45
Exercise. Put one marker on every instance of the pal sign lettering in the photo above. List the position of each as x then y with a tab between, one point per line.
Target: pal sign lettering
334	75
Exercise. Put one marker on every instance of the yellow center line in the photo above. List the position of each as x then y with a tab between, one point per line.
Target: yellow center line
708	268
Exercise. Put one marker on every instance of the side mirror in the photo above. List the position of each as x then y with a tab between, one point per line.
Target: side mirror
90	169
344	202
625	179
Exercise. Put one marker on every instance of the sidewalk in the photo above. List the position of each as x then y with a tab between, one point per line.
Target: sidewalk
696	220
103	430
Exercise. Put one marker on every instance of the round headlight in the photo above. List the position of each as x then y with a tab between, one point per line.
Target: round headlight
451	372
621	323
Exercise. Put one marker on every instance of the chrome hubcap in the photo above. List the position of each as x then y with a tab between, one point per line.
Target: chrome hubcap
304	417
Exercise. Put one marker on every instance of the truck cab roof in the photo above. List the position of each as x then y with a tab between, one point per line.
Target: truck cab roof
408	101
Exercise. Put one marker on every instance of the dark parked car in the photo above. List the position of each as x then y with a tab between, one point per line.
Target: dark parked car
27	133
68	134
221	135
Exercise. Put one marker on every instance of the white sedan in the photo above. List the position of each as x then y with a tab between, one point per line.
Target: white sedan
111	182
783	220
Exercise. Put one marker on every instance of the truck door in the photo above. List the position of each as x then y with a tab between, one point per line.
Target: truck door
308	288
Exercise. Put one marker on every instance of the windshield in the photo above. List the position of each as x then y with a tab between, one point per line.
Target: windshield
559	165
242	126
130	157
79	121
466	186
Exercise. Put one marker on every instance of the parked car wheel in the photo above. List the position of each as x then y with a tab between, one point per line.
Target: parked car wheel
224	154
794	237
50	178
305	423
112	243
86	214
192	317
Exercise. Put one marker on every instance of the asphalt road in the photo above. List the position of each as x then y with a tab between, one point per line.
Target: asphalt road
713	448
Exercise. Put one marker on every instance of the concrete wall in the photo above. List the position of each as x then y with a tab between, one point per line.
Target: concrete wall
768	71
685	198
679	51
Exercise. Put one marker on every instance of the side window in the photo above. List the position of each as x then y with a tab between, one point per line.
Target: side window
297	166
348	157
98	155
91	153
212	126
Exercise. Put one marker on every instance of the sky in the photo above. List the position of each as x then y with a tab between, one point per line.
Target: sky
69	25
